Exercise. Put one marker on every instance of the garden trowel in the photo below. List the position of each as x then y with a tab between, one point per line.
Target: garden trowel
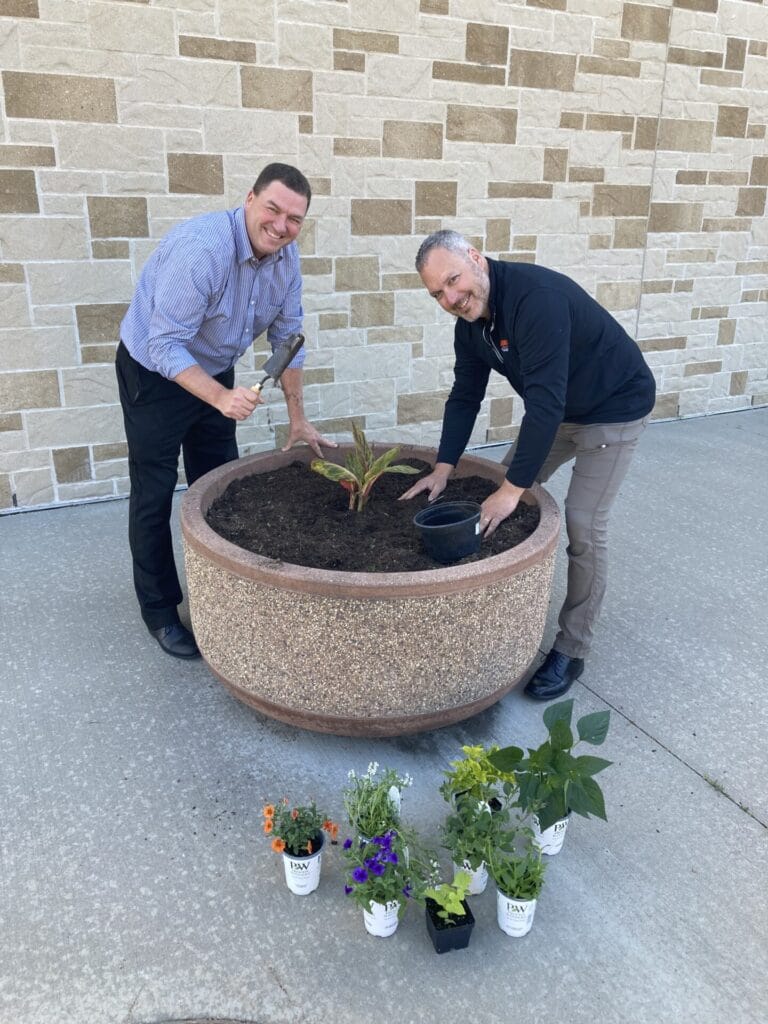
278	361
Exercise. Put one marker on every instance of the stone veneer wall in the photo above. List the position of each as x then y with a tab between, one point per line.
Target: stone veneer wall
623	143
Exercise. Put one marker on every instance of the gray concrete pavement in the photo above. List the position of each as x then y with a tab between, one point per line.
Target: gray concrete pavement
135	883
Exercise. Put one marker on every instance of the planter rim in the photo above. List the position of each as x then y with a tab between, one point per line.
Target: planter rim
424	583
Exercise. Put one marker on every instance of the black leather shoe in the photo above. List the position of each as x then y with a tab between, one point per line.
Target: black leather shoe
555	677
176	641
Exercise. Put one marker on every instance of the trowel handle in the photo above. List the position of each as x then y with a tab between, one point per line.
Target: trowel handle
257	387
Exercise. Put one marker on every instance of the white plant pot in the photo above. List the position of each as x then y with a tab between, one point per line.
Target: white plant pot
479	877
302	874
515	917
382	918
551	840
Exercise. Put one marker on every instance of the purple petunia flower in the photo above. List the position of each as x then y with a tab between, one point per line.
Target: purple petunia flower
392	857
347	889
360	875
377	869
347	843
407	890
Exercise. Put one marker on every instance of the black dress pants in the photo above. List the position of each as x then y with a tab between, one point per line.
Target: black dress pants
162	419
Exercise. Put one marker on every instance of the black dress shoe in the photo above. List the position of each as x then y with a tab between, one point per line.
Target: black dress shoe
176	641
557	674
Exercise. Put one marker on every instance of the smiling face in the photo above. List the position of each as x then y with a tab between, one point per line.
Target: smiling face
274	217
459	282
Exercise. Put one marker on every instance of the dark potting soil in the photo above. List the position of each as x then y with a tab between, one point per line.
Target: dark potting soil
294	515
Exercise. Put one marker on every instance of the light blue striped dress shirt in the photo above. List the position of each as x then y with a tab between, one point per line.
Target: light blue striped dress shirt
203	297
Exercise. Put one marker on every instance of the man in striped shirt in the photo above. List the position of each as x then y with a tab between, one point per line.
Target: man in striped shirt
213	284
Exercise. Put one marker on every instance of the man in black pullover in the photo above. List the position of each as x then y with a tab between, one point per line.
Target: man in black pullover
587	393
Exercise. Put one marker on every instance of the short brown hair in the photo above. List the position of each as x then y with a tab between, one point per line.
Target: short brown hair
289	176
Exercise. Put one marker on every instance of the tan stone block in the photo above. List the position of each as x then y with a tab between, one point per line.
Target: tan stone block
645	22
721	79
752	267
43	347
662	344
27	156
109	249
111	148
666	406
344	60
728	178
609	66
131	28
497	234
571	119
435	198
318	375
10	422
697	5
20	9
416	140
420	408
110	452
370	42
356	274
57	283
555	164
610	123
758	48
217	49
713	224
695	58
481	124
357	147
692	256
667	217
34	389
712	312
735	54
705	367
89	385
621	200
549	5
59	97
738	383
316	265
100	322
630	233
340	425
199	173
476	74
679	134
90	354
646	132
684	285
276	89
386	335
586	174
381	217
72	464
600	241
18	192
14	306
33	488
656	287
732	122
524	242
64	428
751	202
691	178
519	190
534	69
11	273
306	124
123	217
759	171
616	295
486	44
426	225
368	309
501	412
333	321
434	6
23	238
760	398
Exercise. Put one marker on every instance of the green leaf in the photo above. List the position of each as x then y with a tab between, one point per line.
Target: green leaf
594	728
507	759
332	471
560	712
553	810
561	736
585	797
402	468
588	765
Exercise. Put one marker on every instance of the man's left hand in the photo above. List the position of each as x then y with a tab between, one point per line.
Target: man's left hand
498	506
302	432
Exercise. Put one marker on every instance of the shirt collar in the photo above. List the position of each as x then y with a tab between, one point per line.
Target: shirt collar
243	243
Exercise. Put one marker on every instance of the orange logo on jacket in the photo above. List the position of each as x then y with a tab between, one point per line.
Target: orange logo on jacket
504	345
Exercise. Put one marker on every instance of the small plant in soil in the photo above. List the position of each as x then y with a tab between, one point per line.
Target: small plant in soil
519	877
361	470
296	830
449	897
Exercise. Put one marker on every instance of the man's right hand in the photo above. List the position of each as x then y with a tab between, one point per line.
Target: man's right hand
238	403
435	482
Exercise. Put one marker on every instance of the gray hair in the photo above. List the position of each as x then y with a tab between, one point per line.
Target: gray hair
450	240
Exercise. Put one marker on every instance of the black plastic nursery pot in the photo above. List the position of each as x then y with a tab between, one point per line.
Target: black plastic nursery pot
449	530
446	937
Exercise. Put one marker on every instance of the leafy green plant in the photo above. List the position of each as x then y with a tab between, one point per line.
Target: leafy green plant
294	829
450	896
371	800
472	831
361	469
519	877
378	870
551	781
474	775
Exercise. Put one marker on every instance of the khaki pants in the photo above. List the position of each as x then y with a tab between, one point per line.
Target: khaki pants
602	453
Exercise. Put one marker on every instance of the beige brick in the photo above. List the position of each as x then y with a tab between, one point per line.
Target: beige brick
33	488
381	217
695	58
117	148
11	273
645	22
415	140
501	412
586	174
401	282
732	122
600	241
318	375
217	49
609	66
667	217
738	383
370	42
630	233
420	408
646	133
721	79
758	174
712	312
555	164
333	321
657	287
571	119
112	217
339	425
45	347
685	285
661	344
88	386
64	428
59	97
357	147
713	224
90	354
10	421
678	134
27	156
72	464
43	238
666	406
109	452
34	389
344	60
58	282
476	74
18	192
368	309
751	202
110	249
621	200
7	496
316	265
519	190
435	198
618	294
199	173
356	274
697	5
100	322
524	242
735	54
706	367
486	44
610	123
549	5
497	234
306	124
758	48
534	69
20	9
691	178
434	6
276	89
481	124
727	178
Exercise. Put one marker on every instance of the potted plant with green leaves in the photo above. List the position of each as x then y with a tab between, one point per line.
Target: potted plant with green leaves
552	782
475	775
379	879
373	800
298	834
449	918
470	832
519	879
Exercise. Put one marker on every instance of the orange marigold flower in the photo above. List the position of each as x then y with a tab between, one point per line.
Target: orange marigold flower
278	845
294	814
268	826
269	811
334	831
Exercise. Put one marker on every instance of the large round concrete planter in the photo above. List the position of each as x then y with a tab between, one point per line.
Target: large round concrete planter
365	654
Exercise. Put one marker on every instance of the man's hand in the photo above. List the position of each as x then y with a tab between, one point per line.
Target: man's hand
234	403
237	404
435	482
498	506
301	430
